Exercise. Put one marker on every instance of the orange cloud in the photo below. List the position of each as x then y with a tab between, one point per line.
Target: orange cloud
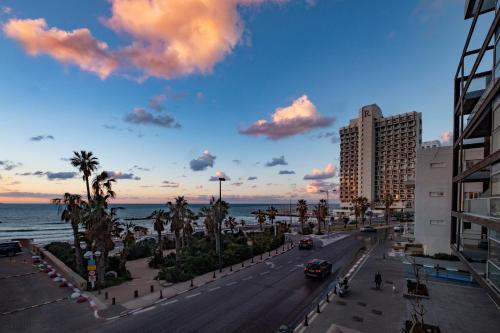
76	47
446	137
299	117
318	174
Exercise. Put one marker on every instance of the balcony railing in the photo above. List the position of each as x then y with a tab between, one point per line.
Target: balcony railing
483	206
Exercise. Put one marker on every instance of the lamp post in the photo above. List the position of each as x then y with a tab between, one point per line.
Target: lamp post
221	179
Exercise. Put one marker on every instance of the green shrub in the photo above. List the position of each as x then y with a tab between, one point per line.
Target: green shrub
156	261
140	250
174	275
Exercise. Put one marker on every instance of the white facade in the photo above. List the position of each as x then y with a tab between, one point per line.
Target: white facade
433	185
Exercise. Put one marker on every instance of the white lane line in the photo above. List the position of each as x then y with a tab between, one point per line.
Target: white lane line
143	310
263	273
193	295
170	302
231	283
212	289
292	269
247	278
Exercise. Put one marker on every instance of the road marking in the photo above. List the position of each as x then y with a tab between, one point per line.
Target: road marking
231	283
143	310
263	273
171	302
247	278
215	288
193	295
293	269
270	264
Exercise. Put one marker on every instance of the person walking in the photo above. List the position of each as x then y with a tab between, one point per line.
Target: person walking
378	280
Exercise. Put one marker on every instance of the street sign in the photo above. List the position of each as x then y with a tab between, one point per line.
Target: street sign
91	262
91	273
91	267
92	278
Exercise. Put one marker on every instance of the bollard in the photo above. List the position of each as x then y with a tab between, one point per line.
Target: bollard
269	254
113	301
192	285
306	323
318	309
283	247
231	268
242	264
252	260
214	275
98	291
276	251
152	288
161	293
327	297
105	295
261	257
136	293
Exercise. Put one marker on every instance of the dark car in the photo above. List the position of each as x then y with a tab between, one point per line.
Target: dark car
306	243
318	268
368	228
10	248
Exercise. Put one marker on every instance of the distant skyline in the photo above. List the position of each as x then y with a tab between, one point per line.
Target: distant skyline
171	94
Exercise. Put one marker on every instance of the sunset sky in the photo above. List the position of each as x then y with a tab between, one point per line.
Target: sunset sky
170	93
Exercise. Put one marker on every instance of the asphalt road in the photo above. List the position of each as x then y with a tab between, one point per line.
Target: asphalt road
44	307
257	299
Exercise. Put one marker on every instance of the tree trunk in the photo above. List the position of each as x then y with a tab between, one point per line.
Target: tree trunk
78	252
160	249
101	268
88	189
177	246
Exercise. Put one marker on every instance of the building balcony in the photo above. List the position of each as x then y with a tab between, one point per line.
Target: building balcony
487	207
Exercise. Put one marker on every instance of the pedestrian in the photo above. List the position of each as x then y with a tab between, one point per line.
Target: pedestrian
378	280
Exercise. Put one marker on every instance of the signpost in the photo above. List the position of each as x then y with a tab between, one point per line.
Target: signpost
91	268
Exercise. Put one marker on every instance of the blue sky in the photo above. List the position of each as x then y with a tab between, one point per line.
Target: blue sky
342	55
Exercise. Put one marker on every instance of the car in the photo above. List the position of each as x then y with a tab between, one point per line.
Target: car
318	268
368	228
398	228
306	243
10	248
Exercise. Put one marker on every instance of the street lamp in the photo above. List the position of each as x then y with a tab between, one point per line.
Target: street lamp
221	179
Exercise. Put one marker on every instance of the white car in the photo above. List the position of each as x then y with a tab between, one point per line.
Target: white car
398	228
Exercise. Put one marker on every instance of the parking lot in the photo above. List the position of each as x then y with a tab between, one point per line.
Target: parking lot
31	302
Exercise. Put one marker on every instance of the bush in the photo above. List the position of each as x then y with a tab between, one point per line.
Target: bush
174	275
64	252
140	250
156	261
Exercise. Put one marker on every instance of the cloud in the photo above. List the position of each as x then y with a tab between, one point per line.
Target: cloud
140	116
318	174
203	162
237	184
311	3
5	10
136	167
36	173
318	186
286	172
277	161
77	47
156	102
237	162
446	137
60	175
8	165
427	11
299	117
334	137
252	178
41	137
42	195
121	175
219	174
167	183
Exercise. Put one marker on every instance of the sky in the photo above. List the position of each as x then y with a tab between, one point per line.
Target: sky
172	94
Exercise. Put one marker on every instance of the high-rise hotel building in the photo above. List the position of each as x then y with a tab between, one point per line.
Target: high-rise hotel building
475	216
377	157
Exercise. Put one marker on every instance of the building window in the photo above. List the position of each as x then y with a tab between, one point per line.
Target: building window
436	194
436	222
438	165
467	225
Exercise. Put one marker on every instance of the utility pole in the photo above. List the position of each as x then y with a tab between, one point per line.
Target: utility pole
220	222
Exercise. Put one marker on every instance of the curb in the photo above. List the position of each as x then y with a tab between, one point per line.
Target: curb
151	306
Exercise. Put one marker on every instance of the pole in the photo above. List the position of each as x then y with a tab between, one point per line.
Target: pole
220	225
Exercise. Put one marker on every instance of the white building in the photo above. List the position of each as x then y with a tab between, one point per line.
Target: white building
433	181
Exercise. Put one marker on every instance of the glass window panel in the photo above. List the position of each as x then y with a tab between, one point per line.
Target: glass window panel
496	118
495	185
494	252
494	275
496	140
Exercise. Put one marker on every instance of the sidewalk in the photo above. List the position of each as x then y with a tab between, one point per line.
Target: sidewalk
453	307
143	279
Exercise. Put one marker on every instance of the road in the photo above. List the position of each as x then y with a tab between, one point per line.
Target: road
257	299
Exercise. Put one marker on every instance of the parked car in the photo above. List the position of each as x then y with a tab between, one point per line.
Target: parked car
318	268
368	228
306	243
10	248
398	228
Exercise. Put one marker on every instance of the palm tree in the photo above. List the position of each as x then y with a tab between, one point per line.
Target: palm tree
72	213
387	201
360	205
86	163
271	214
128	240
102	186
261	217
320	211
208	221
159	217
230	223
302	210
179	211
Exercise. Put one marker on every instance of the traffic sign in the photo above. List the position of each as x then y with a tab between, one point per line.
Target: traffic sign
91	273
91	267
91	262
92	278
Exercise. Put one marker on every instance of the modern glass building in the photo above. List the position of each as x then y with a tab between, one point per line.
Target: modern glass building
475	227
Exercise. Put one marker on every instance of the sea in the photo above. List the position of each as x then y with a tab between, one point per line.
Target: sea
42	223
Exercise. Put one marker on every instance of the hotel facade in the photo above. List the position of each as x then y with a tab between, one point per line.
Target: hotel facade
475	216
377	157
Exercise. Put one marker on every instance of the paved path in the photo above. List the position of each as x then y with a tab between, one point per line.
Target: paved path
257	299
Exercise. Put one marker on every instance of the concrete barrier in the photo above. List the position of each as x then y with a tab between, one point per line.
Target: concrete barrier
65	271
